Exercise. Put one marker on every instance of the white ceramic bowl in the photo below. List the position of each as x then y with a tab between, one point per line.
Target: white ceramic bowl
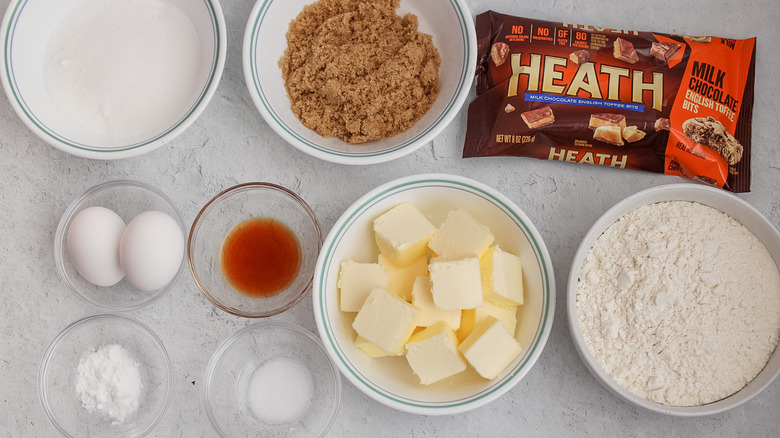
390	380
26	31
448	21
721	200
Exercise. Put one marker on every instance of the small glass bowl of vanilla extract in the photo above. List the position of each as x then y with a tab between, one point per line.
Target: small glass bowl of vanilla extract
252	249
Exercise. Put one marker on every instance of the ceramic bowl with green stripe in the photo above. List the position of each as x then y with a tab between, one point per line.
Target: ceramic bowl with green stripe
448	21
390	380
84	122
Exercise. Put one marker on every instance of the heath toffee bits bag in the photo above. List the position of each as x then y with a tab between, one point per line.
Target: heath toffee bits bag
673	104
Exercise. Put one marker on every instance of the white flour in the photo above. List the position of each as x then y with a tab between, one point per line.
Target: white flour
109	382
679	303
123	69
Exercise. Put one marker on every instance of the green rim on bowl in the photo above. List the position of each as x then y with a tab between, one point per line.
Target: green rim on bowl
324	269
15	13
251	69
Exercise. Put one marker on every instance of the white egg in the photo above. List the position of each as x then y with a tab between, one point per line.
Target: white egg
93	245
151	250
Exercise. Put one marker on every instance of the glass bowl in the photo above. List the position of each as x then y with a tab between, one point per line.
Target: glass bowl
225	394
221	215
127	199
57	376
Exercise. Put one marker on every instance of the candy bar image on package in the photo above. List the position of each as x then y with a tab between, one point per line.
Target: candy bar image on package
665	103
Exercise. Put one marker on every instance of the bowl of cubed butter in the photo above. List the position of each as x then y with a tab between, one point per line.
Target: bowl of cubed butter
434	294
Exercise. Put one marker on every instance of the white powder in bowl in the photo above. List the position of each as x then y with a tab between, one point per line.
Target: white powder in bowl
679	303
124	69
108	381
280	390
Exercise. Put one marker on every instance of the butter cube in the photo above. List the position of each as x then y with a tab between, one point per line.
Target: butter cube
471	317
460	236
429	313
502	277
370	349
490	348
357	280
386	321
402	234
433	354
456	284
402	277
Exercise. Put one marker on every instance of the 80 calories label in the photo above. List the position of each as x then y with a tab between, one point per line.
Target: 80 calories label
665	103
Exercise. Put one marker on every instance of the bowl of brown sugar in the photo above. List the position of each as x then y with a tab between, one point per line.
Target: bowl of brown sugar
357	82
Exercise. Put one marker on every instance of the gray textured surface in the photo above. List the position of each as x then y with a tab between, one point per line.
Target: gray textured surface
230	143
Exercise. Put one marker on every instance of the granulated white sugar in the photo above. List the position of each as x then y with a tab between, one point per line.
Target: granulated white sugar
123	69
679	303
280	390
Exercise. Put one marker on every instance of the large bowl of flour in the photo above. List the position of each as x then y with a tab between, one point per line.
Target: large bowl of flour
674	300
107	79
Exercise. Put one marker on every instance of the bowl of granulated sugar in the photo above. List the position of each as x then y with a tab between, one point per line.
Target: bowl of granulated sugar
107	79
674	300
271	379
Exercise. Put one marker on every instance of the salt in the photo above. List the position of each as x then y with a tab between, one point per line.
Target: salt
280	390
123	69
108	381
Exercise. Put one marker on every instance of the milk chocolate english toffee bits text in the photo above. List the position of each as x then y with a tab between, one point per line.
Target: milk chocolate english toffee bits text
664	103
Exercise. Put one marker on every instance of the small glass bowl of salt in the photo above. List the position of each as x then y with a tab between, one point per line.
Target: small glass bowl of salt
105	375
271	379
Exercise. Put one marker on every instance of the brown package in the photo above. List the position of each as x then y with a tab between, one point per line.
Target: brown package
613	97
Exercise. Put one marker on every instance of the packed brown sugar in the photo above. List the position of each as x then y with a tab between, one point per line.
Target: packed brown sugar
357	71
